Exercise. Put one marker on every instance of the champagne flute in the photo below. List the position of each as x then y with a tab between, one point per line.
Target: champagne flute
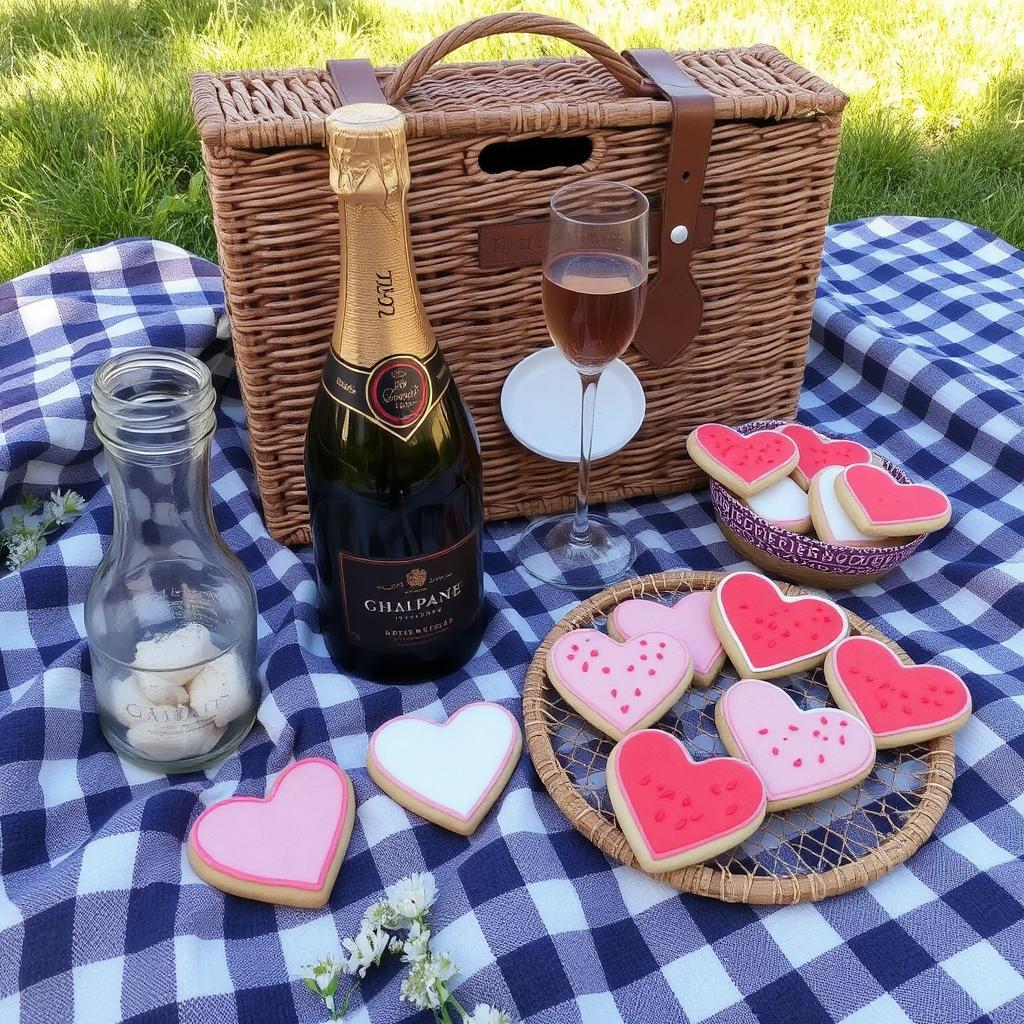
594	287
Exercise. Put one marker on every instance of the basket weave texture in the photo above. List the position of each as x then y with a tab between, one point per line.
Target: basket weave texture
805	853
769	177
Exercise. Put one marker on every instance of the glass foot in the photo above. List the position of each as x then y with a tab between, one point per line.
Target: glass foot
548	552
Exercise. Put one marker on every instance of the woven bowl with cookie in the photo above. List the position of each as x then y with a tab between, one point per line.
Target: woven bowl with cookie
804	558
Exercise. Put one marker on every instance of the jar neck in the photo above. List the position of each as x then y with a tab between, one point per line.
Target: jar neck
165	507
155	416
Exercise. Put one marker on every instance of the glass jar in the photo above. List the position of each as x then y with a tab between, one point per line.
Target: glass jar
171	612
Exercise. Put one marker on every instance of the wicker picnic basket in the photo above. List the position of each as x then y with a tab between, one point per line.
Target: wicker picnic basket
737	146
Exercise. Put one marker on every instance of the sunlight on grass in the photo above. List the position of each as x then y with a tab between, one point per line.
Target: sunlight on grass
97	141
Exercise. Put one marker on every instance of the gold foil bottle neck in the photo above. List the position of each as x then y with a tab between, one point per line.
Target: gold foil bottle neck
366	143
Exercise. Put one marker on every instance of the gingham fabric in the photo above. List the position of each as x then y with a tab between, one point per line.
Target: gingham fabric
918	351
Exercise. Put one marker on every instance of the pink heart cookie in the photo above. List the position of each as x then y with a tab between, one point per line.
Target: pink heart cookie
688	620
745	463
675	811
817	452
767	634
801	756
286	848
881	506
619	687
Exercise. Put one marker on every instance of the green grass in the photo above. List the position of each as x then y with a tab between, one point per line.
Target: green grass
96	136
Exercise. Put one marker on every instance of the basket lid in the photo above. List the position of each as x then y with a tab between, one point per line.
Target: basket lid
270	109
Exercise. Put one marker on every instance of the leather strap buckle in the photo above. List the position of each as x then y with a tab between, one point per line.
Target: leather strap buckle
675	307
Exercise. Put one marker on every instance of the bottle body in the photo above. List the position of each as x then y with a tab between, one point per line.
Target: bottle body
392	458
171	612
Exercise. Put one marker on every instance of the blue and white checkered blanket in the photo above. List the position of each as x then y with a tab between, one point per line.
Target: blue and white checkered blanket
918	351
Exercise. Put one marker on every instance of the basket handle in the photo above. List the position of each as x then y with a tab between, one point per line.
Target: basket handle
404	77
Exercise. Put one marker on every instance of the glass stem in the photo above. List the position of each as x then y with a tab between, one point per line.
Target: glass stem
580	525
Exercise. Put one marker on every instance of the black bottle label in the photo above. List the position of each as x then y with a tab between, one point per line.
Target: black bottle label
396	393
390	604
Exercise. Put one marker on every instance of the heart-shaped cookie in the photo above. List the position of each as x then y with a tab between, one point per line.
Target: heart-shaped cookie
767	634
675	811
745	463
783	504
285	848
619	687
801	756
688	620
832	522
447	772
900	704
881	506
817	452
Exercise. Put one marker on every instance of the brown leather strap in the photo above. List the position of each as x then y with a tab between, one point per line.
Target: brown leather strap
674	307
355	82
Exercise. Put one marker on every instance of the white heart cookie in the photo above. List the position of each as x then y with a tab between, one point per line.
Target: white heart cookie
783	504
832	522
447	772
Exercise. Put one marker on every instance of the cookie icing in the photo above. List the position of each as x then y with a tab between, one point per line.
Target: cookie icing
795	752
677	803
884	501
817	452
688	620
750	457
894	698
622	683
842	528
773	630
451	766
783	503
288	838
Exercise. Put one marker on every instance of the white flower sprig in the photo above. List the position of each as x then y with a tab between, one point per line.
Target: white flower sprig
24	536
405	909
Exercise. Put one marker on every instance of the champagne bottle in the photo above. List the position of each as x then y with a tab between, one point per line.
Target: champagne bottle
392	457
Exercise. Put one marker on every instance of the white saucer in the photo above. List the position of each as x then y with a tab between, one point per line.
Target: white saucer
541	398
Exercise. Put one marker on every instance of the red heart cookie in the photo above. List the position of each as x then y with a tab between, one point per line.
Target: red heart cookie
676	811
901	704
883	507
817	453
745	463
767	634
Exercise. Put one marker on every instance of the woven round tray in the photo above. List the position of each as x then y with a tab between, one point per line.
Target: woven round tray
805	853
